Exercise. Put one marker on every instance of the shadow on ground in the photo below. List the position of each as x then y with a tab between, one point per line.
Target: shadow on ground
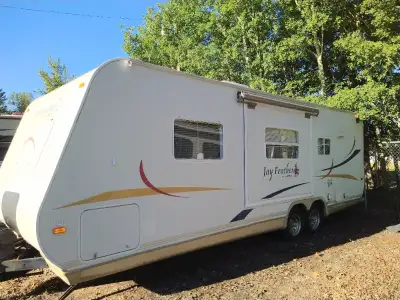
236	259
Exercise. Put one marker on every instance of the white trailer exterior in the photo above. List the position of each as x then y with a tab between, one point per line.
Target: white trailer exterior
132	163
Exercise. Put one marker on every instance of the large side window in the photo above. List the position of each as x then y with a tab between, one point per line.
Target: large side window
197	140
324	146
281	143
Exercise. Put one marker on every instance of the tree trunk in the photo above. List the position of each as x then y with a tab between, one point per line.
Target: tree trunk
384	173
321	75
396	161
319	55
367	161
245	48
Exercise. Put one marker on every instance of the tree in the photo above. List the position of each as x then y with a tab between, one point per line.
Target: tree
327	51
294	47
20	101
57	77
3	102
341	53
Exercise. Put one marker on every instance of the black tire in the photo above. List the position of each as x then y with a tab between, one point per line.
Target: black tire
315	217
295	223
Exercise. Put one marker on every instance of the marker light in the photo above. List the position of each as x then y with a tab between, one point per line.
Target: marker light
81	85
59	230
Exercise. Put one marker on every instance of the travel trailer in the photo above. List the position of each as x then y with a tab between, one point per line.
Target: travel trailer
133	163
8	126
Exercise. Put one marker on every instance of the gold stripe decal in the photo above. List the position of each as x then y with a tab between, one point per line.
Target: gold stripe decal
132	193
343	176
141	192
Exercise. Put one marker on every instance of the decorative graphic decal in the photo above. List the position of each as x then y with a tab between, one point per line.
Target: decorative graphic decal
344	176
242	215
352	148
329	173
344	162
30	139
150	186
349	158
151	190
283	190
287	171
296	170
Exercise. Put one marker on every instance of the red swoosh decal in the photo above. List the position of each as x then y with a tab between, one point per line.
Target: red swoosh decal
149	185
30	139
330	171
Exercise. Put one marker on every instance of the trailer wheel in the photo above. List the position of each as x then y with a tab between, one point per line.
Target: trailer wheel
295	222
315	216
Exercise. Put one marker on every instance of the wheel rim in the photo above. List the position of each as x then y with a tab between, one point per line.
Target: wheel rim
314	219
295	224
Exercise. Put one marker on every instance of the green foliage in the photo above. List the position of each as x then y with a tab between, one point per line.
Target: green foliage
57	77
20	101
339	53
3	102
373	101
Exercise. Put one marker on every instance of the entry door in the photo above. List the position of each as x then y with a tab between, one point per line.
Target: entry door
277	154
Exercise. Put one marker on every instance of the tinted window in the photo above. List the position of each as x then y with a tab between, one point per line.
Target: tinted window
281	143
197	140
324	146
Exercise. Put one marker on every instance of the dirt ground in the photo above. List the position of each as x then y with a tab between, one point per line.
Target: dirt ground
352	257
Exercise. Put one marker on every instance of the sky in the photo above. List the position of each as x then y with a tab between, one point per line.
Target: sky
28	38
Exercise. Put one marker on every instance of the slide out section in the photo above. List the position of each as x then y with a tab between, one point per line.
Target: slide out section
277	156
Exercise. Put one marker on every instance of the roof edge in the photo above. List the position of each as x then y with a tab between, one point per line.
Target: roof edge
238	86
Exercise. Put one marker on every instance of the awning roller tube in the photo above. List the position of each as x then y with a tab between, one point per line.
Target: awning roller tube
245	97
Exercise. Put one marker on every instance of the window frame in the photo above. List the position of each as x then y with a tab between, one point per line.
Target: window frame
289	144
221	141
324	145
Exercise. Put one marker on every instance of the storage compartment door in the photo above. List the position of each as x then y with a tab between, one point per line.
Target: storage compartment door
108	231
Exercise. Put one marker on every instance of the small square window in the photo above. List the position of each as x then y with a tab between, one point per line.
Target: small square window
327	146
324	146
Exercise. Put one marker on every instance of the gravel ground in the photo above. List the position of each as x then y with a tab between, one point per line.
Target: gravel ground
352	257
